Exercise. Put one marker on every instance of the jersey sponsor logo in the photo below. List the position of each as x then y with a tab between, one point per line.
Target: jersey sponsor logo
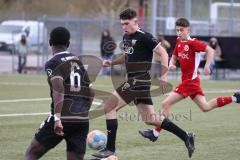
126	47
69	58
186	48
49	72
179	45
129	50
184	55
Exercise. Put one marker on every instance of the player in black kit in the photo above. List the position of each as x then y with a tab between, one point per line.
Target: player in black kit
71	95
138	47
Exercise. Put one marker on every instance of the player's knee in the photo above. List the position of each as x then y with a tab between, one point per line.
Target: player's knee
204	108
30	155
34	152
112	114
110	106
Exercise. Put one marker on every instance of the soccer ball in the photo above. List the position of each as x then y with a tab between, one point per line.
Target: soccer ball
96	140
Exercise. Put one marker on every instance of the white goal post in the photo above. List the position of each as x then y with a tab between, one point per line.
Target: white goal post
215	8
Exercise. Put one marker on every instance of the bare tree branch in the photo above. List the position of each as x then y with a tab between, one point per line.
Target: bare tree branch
101	6
122	5
112	4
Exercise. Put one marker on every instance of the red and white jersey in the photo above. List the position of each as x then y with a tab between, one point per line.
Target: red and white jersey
189	57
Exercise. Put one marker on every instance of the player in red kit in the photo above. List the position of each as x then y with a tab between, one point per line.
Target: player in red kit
187	53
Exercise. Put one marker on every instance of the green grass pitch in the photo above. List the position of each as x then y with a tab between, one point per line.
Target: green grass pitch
217	132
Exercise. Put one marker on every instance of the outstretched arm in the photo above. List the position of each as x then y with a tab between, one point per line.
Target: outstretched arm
210	54
164	61
172	63
58	97
164	67
119	60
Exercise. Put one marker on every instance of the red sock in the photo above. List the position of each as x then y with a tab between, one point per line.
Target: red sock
222	101
158	129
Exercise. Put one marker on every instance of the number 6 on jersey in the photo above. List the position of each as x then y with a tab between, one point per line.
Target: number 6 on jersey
75	78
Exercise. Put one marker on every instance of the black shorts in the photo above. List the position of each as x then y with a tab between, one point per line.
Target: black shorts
137	90
75	135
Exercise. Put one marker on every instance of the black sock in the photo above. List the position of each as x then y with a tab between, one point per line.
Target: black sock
171	127
112	125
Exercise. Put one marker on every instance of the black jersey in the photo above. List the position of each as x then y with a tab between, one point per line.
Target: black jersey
138	48
69	67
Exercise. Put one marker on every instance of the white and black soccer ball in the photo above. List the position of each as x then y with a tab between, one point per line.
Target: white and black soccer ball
96	140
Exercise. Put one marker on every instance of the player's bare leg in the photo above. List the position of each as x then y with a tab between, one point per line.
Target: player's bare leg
199	100
111	106
35	151
214	103
151	118
166	105
203	104
172	99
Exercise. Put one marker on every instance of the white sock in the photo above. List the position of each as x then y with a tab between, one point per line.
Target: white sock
155	133
234	99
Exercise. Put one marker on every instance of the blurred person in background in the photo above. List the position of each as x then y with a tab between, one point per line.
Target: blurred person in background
22	51
107	47
164	43
213	42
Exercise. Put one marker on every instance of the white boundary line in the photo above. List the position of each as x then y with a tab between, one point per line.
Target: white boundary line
24	114
98	85
220	91
32	100
23	84
25	100
30	114
48	99
37	84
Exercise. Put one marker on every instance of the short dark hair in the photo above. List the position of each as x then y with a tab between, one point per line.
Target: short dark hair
59	36
128	14
182	22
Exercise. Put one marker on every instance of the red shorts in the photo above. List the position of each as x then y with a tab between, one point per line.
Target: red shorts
189	88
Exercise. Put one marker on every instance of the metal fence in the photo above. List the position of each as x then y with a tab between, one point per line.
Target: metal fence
207	17
86	33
